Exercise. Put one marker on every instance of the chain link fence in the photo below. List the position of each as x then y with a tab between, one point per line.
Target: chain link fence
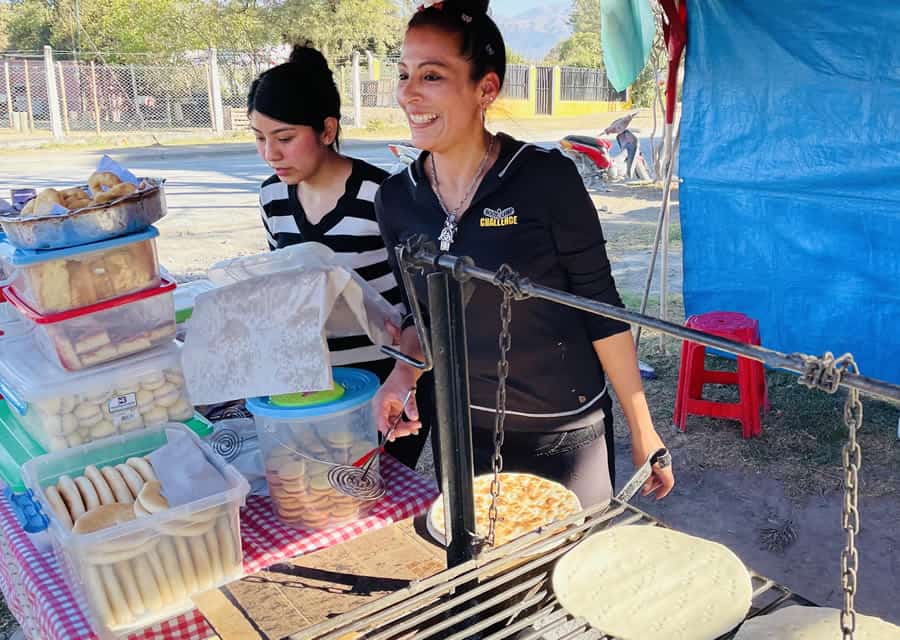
203	91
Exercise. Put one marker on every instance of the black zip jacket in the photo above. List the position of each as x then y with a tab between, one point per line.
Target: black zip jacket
532	212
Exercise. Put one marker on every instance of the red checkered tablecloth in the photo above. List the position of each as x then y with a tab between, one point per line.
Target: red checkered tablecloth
34	587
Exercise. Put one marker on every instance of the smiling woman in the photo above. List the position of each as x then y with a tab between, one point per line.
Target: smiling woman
318	195
502	201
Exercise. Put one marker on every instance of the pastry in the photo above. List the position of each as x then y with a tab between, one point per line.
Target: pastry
146	582
100	181
55	443
60	510
70	496
143	467
117	602
151	498
155	416
69	423
215	554
130	588
813	623
74	440
97	594
100	485
103	517
638	581
188	572
66	352
88	493
102	429
230	560
131	477
169	558
52	424
135	345
50	406
104	354
525	503
145	400
153	382
181	410
200	556
159	574
117	484
92	342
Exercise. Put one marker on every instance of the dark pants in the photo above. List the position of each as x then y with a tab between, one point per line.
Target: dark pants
408	449
581	459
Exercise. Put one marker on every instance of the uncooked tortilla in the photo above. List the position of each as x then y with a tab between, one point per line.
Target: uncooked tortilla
813	623
650	583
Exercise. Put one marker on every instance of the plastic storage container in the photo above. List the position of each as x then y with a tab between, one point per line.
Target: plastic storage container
137	573
131	214
303	436
105	331
185	295
63	410
57	281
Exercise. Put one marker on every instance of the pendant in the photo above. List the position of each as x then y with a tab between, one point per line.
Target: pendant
447	234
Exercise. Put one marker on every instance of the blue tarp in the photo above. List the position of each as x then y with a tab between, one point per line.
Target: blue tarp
790	160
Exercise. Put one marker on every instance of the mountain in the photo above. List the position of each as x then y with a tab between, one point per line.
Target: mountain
534	32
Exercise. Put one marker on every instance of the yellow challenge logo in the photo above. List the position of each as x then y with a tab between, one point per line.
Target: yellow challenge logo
499	217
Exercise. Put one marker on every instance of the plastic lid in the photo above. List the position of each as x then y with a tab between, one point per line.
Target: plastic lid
359	388
18	447
27	257
167	286
309	399
26	375
186	294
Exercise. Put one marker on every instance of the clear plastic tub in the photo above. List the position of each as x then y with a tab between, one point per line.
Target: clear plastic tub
185	296
57	281
302	437
103	332
137	573
61	410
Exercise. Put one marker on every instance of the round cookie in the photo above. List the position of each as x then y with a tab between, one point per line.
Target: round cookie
175	377
157	415
55	443
70	496
153	382
100	485
97	594
151	497
69	423
188	572
143	467
102	429
87	411
132	424
159	575
88	493
117	484
67	404
52	424
181	410
215	554
116	597
103	517
50	406
129	587
169	558
132	478
231	563
202	563
60	510
145	400
146	582
74	440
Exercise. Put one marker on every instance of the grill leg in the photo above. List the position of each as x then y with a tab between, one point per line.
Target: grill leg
454	422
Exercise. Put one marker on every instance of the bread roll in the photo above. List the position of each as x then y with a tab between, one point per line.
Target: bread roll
103	517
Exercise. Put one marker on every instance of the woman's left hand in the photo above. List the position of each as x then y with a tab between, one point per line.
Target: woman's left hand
645	443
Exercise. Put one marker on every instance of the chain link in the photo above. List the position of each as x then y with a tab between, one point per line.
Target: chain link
825	374
510	284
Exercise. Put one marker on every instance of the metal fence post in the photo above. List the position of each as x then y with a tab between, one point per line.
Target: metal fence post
370	66
357	92
62	95
52	96
28	97
217	110
10	104
135	99
94	96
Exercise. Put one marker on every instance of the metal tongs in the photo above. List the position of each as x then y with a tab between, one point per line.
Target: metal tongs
660	456
370	456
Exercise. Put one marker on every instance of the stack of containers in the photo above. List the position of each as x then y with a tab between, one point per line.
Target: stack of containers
94	312
96	379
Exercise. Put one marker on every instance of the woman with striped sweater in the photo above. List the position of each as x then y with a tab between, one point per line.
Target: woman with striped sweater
319	195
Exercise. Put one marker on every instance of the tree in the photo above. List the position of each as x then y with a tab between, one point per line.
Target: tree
585	16
580	50
513	57
340	27
29	25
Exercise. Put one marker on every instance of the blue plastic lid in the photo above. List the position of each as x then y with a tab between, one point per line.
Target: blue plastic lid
28	511
359	388
26	257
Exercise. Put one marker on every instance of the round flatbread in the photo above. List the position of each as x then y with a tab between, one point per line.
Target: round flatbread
813	623
526	502
653	583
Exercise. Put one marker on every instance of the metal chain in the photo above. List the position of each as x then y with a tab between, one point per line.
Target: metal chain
510	284
825	373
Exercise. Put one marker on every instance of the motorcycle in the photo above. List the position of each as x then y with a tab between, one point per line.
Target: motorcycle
594	158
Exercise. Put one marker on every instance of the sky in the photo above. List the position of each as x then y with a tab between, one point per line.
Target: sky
512	7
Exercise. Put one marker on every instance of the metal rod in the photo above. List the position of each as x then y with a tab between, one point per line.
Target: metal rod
63	98
28	97
454	422
795	363
10	102
95	100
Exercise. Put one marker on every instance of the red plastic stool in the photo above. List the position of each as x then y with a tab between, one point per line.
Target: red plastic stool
749	378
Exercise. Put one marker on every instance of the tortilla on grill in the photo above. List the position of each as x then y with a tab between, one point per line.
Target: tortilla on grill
813	623
526	502
650	583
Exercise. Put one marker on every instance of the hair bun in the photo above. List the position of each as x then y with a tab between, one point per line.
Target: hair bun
471	6
310	59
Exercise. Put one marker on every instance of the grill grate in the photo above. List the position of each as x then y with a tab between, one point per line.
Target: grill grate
504	594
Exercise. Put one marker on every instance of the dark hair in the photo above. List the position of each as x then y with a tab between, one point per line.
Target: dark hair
482	42
301	91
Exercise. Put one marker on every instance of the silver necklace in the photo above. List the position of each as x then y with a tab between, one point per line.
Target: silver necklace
451	223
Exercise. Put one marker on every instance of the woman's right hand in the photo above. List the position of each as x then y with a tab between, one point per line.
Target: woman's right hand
388	404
